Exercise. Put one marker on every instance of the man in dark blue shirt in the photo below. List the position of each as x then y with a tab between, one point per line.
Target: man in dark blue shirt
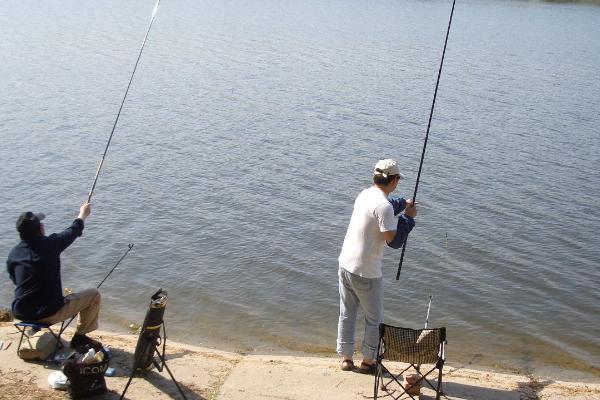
34	267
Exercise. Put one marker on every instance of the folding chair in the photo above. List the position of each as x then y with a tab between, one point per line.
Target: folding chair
414	347
35	327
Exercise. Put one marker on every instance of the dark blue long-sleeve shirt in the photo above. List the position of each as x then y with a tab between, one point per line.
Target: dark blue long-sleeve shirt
34	267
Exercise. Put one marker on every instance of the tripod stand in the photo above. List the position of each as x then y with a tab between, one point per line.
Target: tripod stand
149	341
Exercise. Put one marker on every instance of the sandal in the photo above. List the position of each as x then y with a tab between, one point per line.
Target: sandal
347	365
367	369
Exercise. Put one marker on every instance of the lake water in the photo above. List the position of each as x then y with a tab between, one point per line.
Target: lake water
251	126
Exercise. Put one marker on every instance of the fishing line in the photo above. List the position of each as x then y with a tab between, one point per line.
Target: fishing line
414	198
129	247
122	102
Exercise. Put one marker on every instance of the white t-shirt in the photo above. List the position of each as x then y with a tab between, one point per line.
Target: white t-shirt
362	252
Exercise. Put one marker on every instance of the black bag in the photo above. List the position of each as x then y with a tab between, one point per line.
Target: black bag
86	379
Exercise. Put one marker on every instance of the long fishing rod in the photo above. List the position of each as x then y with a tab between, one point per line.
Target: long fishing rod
437	84
122	102
129	247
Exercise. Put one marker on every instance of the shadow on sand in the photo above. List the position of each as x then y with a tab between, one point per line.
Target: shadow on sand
527	390
122	361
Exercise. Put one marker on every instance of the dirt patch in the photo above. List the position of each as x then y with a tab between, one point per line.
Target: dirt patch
21	385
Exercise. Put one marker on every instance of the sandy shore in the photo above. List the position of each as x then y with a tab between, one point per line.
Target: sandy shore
206	373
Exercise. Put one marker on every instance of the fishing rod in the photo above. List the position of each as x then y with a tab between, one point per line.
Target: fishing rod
122	103
428	308
427	323
129	247
437	84
415	377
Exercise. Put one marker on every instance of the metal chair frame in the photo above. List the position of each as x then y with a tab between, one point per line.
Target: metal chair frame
38	326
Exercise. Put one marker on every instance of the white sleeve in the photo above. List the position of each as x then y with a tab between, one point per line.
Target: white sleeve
385	217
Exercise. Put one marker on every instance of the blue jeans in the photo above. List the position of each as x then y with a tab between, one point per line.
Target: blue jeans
367	294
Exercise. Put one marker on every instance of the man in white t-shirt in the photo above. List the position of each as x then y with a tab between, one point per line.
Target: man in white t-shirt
376	221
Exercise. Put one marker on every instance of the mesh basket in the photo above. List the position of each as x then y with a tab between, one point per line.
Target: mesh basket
415	346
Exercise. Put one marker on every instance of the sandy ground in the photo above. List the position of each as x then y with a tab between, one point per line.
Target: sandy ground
205	373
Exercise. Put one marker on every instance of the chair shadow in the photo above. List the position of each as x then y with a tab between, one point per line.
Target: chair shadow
525	391
471	392
456	390
528	389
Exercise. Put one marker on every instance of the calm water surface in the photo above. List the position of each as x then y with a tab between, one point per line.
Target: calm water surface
252	125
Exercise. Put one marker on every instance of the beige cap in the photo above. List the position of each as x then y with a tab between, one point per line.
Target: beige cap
386	168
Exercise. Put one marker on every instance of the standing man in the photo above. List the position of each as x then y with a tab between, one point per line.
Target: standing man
34	267
376	221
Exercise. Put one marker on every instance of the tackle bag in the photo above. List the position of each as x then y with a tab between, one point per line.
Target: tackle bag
85	379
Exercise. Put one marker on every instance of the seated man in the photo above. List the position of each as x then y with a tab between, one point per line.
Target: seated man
34	267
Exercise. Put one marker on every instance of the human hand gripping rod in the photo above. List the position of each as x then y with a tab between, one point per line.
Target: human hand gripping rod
122	102
437	84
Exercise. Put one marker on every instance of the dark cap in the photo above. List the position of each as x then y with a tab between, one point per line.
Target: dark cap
28	224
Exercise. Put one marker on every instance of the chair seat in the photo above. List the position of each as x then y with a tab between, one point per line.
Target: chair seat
35	326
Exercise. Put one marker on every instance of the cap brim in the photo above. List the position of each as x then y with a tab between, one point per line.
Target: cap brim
40	216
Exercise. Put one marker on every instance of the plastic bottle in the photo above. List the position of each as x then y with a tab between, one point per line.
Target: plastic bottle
99	356
89	357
